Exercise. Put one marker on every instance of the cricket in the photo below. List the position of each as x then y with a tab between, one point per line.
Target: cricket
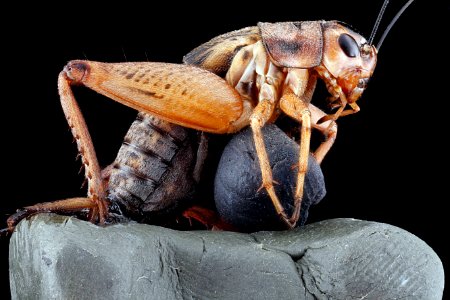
243	78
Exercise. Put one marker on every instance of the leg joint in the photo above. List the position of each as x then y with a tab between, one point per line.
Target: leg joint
332	130
306	112
256	121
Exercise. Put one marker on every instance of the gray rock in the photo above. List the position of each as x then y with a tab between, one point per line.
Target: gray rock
55	257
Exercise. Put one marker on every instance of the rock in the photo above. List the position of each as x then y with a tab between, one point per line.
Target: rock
55	257
238	179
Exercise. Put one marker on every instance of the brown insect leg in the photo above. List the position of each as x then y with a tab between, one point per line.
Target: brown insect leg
96	202
354	110
328	129
190	96
75	119
327	125
261	114
207	217
298	110
67	205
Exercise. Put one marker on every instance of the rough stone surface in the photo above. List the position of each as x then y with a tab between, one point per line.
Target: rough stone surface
55	257
238	197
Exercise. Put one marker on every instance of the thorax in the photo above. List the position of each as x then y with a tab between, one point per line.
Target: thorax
257	78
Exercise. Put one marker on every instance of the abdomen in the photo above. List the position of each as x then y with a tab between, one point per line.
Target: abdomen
153	170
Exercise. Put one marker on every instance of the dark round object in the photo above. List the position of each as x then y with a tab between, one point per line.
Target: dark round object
238	179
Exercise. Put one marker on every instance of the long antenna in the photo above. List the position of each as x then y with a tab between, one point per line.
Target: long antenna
380	42
377	22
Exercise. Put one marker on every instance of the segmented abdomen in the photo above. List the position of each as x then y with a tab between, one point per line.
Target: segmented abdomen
154	166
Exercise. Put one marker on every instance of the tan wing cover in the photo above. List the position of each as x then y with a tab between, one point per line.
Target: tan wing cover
217	54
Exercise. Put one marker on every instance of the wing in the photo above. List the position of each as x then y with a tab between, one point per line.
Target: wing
217	54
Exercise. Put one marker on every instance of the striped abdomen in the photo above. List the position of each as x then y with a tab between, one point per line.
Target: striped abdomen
154	167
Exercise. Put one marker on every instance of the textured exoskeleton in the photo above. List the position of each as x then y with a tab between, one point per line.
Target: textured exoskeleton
266	70
157	167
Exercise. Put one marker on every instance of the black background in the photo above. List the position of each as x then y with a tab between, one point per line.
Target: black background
388	163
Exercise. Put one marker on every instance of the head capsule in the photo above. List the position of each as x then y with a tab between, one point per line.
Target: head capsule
348	58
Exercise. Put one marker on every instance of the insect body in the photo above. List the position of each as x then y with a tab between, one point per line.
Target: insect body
157	166
272	68
268	70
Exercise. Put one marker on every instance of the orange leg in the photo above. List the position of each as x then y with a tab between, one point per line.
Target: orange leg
298	110
67	205
92	171
262	113
190	97
207	217
342	114
96	203
327	128
327	125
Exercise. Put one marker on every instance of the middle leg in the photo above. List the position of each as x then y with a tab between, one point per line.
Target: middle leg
262	113
299	111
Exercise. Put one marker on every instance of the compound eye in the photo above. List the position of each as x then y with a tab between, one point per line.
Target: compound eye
348	45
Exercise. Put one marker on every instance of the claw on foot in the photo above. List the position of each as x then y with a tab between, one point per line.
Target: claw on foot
98	210
290	222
